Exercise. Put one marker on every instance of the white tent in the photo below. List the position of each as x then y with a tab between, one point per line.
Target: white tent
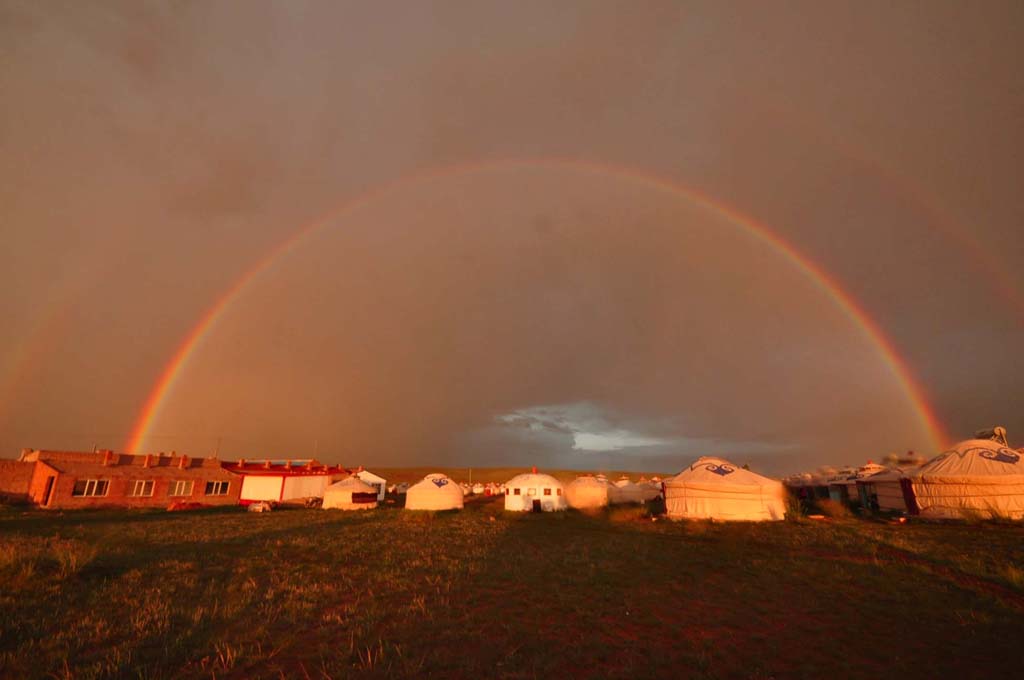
478	489
350	494
629	492
376	481
977	476
717	489
588	491
434	492
650	489
523	491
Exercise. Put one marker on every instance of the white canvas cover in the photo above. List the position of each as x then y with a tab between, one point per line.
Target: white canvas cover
522	490
717	489
629	492
261	487
304	486
975	477
650	489
434	492
587	492
339	495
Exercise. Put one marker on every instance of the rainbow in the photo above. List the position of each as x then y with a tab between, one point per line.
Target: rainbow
981	258
172	371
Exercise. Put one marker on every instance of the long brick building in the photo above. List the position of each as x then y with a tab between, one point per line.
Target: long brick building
73	479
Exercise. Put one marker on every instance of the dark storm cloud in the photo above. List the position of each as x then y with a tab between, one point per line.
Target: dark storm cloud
150	153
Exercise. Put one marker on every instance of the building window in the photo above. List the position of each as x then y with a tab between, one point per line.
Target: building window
90	487
531	492
516	492
140	487
559	492
180	487
216	488
547	492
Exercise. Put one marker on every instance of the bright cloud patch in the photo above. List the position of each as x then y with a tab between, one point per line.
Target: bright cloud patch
589	426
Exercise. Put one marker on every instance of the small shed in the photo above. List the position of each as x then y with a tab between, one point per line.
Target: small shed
376	481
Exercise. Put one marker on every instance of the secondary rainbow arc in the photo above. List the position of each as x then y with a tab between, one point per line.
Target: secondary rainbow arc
819	277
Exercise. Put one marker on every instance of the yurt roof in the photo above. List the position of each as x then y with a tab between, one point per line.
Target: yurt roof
588	480
713	470
528	479
353	484
975	458
890	475
436	482
366	474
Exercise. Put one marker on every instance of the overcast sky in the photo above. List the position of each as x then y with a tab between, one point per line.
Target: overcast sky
516	288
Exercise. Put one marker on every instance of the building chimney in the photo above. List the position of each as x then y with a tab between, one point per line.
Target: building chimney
266	463
183	462
309	465
534	469
149	459
108	456
241	462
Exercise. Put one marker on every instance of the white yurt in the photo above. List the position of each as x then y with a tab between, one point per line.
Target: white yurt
478	489
628	492
435	492
351	493
714	488
976	477
650	489
586	492
534	490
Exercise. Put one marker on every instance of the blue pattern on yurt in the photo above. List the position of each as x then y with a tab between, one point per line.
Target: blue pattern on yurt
439	482
1003	455
722	470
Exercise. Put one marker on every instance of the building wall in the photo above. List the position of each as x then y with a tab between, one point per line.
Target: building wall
37	487
15	478
120	487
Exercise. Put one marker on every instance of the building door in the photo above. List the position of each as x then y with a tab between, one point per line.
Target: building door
47	490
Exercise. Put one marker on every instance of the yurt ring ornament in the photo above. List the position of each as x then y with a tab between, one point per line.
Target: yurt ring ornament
722	470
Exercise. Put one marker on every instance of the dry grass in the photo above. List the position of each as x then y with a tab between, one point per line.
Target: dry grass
485	593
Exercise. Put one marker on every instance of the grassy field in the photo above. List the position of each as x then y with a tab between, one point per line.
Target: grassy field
481	593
